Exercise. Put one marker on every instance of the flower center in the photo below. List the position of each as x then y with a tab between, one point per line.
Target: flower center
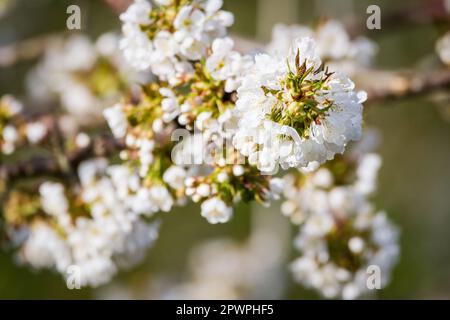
300	100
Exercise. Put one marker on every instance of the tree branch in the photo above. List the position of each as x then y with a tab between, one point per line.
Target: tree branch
424	12
49	166
389	85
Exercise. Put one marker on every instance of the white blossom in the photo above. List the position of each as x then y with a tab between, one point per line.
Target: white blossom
174	177
226	64
137	12
35	132
146	155
169	105
12	105
161	198
54	200
136	47
82	140
65	71
215	211
443	48
367	173
44	248
318	269
340	234
10	137
318	190
238	170
116	120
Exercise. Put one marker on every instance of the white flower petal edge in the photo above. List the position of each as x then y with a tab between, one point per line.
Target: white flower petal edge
216	211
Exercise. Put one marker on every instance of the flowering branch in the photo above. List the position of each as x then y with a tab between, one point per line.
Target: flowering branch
424	12
379	85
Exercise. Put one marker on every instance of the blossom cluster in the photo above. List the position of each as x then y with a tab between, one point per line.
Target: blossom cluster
81	75
199	100
294	112
341	233
182	171
443	48
336	254
167	36
99	227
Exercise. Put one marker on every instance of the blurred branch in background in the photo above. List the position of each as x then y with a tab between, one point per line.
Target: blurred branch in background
422	13
118	5
24	50
386	85
49	166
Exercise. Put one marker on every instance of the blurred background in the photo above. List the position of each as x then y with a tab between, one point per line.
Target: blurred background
414	184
